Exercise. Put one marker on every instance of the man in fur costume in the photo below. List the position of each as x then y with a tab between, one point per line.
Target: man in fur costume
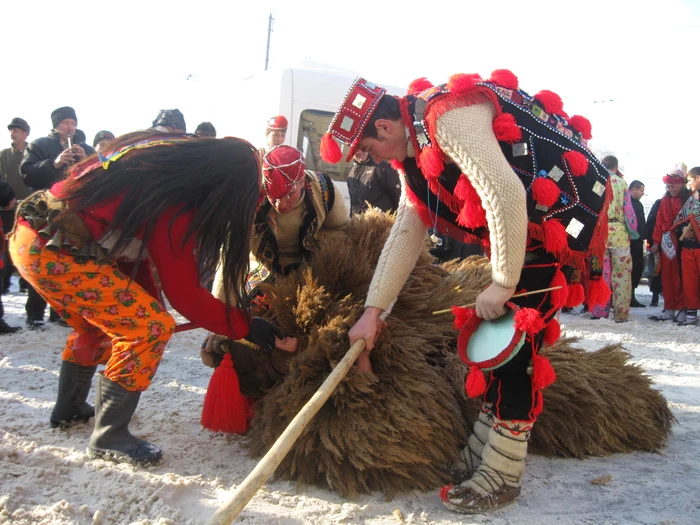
298	204
484	159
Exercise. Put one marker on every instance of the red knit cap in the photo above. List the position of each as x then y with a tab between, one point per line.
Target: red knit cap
283	168
278	123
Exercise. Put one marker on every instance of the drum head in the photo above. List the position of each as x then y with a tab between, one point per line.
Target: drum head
488	344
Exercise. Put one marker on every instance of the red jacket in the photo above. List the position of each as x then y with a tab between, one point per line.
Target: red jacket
668	209
177	268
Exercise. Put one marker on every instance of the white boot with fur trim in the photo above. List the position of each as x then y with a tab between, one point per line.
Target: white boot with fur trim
496	481
470	457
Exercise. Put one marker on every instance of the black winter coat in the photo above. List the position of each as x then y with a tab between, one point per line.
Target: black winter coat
376	184
641	222
37	166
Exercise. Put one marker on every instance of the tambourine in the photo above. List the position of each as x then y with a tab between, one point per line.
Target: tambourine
490	344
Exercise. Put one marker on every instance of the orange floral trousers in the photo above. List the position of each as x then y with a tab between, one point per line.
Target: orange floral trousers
116	322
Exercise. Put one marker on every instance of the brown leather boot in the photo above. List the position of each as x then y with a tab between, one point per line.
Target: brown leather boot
496	482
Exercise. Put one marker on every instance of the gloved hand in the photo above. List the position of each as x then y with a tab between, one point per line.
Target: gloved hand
490	304
263	333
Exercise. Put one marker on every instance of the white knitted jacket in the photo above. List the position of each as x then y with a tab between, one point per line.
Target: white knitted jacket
466	136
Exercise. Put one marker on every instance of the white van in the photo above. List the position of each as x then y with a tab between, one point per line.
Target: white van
307	95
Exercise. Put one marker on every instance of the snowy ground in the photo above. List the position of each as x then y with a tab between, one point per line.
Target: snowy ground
46	478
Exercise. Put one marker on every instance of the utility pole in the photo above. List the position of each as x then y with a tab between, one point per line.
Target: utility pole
269	32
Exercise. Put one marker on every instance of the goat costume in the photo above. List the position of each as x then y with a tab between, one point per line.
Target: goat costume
486	160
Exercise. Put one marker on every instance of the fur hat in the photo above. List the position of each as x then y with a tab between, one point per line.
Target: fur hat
19	123
61	114
205	129
675	176
278	123
102	135
170	118
283	168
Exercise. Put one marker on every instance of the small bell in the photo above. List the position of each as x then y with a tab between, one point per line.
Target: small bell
41	207
47	232
83	255
56	242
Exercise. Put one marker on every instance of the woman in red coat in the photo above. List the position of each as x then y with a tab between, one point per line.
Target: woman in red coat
183	204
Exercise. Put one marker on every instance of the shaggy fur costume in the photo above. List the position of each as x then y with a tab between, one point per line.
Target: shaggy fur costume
400	428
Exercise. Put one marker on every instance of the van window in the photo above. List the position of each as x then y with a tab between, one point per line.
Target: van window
312	126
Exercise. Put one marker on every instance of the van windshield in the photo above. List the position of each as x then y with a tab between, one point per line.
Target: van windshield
313	125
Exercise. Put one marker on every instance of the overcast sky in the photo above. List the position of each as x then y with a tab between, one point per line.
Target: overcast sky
631	67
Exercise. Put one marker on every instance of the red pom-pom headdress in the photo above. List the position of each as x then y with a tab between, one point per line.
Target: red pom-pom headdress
283	169
350	120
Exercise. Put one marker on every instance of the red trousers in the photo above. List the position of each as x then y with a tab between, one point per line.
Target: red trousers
690	261
671	283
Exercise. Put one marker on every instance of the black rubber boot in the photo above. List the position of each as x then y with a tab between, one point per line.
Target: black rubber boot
111	439
71	407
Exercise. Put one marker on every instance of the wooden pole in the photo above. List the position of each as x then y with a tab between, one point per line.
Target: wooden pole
267	465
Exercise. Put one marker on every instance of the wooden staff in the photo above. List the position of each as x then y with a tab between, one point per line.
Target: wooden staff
267	465
533	292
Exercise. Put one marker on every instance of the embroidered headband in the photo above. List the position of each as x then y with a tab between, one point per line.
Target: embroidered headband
351	119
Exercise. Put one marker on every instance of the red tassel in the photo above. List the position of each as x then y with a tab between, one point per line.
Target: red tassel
225	409
582	125
506	129
472	215
444	490
461	83
545	191
397	165
551	102
559	296
431	163
552	332
543	374
555	240
504	78
576	295
598	293
476	383
462	316
578	163
419	85
528	320
330	150
464	190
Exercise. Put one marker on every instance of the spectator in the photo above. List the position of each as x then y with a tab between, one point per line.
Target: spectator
372	184
637	246
617	265
170	121
655	280
10	160
275	134
79	137
205	129
690	252
102	138
671	203
44	164
7	202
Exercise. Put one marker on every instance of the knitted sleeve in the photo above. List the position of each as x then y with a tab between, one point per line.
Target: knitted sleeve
466	135
399	255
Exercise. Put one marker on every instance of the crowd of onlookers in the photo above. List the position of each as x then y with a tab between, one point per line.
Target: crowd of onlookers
26	167
663	244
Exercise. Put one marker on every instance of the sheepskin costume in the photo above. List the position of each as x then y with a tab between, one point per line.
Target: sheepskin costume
404	426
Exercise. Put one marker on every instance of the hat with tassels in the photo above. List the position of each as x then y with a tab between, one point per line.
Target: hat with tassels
351	119
283	168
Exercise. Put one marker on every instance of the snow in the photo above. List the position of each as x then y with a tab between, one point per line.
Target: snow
46	478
